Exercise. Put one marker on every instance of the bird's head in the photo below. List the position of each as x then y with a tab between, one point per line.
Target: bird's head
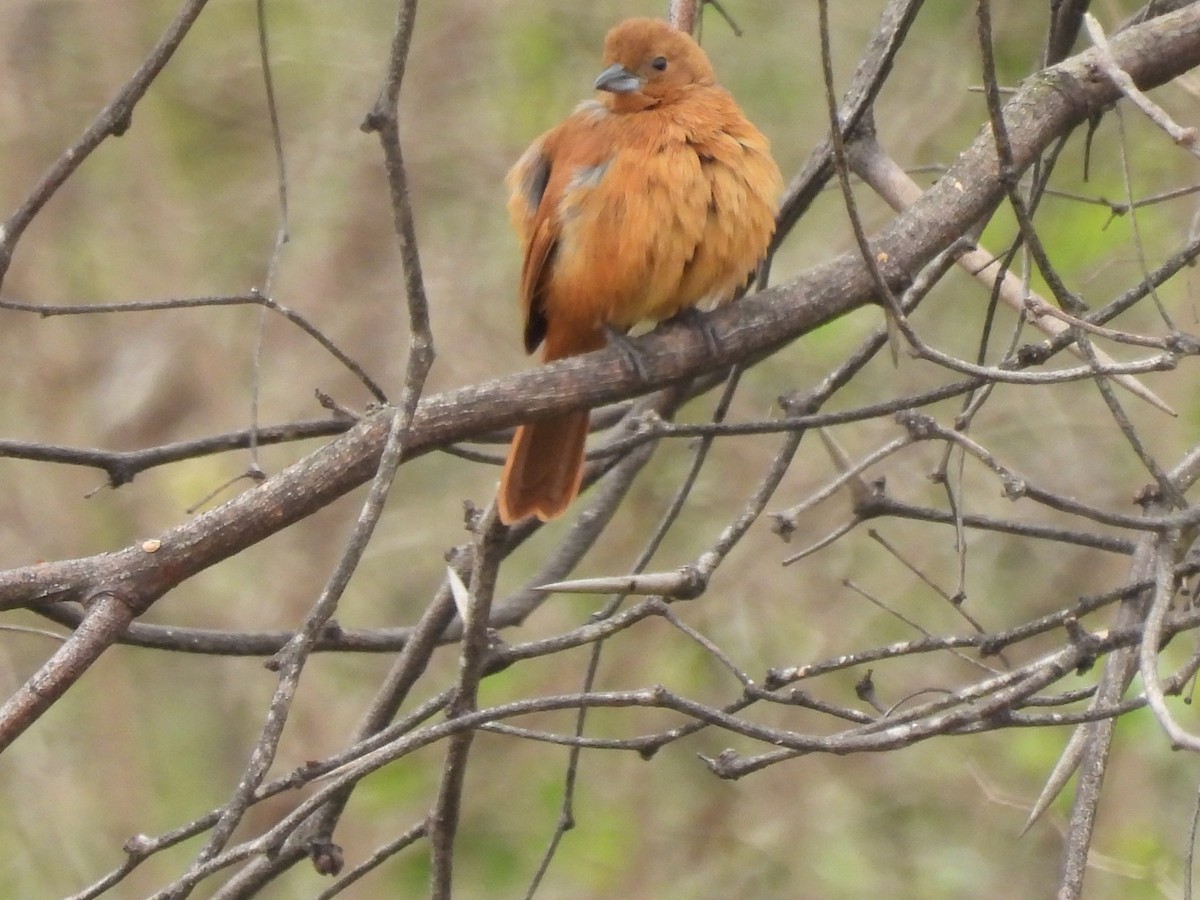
650	64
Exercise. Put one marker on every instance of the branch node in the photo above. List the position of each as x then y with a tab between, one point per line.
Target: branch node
920	426
864	689
1084	640
1182	343
327	857
1014	487
724	764
138	847
783	525
373	122
799	403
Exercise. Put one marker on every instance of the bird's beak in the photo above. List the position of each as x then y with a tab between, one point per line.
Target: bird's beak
618	79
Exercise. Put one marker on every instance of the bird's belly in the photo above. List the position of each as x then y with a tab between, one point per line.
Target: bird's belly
640	284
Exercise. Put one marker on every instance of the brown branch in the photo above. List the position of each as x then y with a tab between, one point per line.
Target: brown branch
107	617
685	14
868	80
121	466
112	121
1042	109
252	298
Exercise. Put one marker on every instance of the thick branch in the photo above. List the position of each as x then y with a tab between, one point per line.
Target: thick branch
1046	106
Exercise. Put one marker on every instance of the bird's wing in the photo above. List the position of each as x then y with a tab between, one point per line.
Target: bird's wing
527	183
547	185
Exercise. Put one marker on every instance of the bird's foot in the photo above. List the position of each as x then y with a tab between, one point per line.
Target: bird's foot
698	321
623	344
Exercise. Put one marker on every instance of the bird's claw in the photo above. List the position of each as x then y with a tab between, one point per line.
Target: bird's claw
621	342
698	321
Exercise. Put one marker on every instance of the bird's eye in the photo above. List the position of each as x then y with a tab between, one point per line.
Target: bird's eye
660	63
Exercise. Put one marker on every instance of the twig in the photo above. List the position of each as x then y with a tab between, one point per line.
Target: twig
1189	138
107	616
112	121
444	817
253	298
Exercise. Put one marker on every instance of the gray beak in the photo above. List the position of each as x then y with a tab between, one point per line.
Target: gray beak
617	79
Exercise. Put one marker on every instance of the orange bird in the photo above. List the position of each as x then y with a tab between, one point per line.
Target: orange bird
657	197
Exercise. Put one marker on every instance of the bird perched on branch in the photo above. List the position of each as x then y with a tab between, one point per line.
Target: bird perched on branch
655	198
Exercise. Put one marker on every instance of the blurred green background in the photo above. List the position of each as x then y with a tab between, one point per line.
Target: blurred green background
185	205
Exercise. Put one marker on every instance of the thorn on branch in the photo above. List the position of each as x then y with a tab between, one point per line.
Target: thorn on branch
686	583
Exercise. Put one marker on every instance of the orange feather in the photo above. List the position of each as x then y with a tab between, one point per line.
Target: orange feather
656	197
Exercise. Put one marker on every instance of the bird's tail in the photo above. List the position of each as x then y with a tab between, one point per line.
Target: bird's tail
545	461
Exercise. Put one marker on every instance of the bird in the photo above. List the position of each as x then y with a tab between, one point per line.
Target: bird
653	199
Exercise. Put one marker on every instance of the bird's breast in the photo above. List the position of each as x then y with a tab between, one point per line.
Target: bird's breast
653	212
